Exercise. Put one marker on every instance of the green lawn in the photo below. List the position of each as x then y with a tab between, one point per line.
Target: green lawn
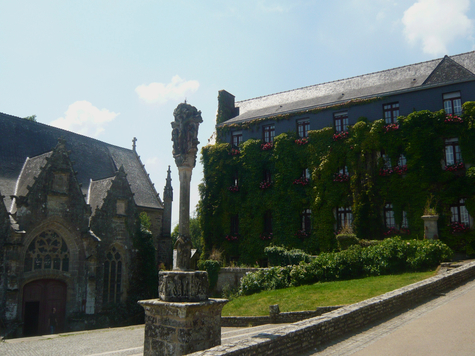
320	294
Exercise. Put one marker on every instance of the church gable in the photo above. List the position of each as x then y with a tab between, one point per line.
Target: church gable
47	187
447	71
114	210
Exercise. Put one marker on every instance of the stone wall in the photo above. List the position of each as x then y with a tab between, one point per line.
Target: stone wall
230	277
305	335
278	318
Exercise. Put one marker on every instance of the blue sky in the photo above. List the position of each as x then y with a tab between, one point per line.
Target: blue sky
115	70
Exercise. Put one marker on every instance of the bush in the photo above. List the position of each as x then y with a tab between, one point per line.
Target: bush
390	256
280	256
346	240
212	267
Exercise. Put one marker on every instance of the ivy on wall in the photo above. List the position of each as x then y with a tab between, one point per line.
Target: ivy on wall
419	137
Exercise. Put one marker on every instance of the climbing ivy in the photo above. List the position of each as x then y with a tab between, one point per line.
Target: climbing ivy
419	137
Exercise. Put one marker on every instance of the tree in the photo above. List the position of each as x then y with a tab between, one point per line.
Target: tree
195	232
31	118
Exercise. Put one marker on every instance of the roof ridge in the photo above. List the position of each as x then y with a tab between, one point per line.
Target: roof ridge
62	130
357	76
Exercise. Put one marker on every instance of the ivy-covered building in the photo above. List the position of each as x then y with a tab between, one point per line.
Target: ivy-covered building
372	152
73	235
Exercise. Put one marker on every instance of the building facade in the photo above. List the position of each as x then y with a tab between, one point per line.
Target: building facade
369	153
69	219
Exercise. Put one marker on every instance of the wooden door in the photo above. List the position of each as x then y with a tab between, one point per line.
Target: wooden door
39	298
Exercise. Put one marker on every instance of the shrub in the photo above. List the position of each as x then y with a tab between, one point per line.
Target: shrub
392	255
212	267
280	256
346	240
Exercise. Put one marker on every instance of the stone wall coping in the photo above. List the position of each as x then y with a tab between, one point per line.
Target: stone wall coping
159	302
240	269
304	335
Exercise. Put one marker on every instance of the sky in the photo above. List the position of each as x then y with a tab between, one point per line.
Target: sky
115	70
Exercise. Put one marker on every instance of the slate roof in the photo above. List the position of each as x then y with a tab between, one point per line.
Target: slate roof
97	192
411	77
92	159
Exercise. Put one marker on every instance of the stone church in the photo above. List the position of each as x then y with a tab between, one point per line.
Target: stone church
69	207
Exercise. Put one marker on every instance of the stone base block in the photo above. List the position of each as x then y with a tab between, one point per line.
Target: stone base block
183	286
175	329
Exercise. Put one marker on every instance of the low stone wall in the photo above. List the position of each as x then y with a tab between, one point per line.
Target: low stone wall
304	335
230	277
277	318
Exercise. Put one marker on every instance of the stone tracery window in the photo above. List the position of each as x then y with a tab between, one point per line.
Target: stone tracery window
48	250
112	276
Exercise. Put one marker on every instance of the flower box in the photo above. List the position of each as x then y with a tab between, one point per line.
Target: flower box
455	167
234	188
231	238
458	227
234	152
265	185
301	141
454	119
302	234
267	146
390	127
341	177
341	135
266	236
301	181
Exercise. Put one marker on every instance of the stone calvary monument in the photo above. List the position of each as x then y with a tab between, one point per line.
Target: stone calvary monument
183	320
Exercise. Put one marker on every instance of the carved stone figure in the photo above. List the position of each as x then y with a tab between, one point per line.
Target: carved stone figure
185	134
183	248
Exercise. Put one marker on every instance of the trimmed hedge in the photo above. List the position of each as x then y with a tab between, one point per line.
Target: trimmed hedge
390	256
280	256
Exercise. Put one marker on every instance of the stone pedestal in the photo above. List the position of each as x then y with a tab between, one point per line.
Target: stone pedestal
183	286
175	329
431	230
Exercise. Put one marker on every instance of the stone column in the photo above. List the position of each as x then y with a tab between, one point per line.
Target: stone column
183	320
431	230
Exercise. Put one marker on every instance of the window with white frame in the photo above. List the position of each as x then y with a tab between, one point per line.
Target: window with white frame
453	154
405	223
344	217
453	103
391	113
268	133
340	121
306	222
386	160
389	220
236	138
303	126
402	161
460	213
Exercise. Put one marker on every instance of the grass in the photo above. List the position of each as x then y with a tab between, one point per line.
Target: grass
310	297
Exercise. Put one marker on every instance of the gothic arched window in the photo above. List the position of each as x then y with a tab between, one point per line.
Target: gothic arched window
112	276
48	250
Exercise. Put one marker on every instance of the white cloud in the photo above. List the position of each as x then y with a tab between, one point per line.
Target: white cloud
160	93
84	118
436	23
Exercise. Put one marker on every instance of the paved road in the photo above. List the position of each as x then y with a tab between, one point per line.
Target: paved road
444	326
440	327
125	341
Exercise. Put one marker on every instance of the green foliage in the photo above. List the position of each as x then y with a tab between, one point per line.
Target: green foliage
346	240
195	233
390	256
212	267
419	137
31	118
280	256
